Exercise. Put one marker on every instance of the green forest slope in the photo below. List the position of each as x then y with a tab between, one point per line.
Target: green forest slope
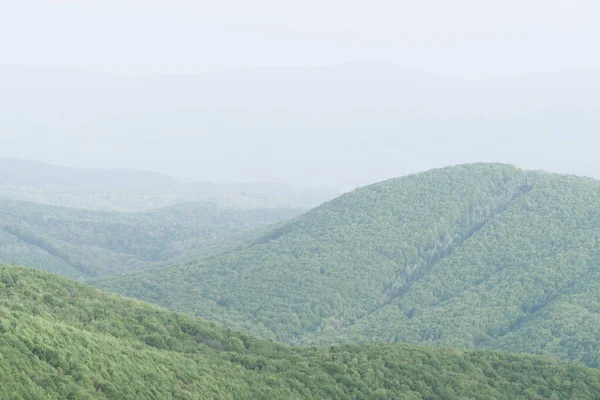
64	340
80	243
481	255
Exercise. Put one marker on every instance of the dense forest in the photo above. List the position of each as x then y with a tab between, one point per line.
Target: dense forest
80	243
301	200
472	256
64	340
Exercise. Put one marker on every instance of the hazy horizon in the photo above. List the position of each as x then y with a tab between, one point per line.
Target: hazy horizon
332	189
336	94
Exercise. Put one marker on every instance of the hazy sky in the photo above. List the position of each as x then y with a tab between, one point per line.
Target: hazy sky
120	84
459	37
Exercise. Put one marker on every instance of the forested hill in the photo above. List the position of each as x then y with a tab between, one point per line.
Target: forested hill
481	255
63	340
80	244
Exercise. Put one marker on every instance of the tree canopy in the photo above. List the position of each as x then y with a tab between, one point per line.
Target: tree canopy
64	340
472	256
81	243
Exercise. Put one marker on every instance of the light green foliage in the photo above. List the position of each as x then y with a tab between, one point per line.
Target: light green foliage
80	244
481	255
64	340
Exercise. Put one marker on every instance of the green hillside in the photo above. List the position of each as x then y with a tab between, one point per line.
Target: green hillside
481	255
80	243
64	340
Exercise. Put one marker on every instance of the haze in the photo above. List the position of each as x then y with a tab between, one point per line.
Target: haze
334	93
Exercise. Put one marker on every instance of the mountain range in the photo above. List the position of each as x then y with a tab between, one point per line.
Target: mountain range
471	256
132	190
241	114
366	294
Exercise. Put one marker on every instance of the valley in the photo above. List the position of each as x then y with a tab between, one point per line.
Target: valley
81	244
361	297
481	255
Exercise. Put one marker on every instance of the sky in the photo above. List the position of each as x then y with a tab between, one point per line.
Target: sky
160	85
460	38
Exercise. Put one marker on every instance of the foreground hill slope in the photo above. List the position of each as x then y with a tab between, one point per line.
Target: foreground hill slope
63	340
481	255
80	243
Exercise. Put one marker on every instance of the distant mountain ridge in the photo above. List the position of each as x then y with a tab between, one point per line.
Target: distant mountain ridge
479	255
15	172
132	190
378	119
